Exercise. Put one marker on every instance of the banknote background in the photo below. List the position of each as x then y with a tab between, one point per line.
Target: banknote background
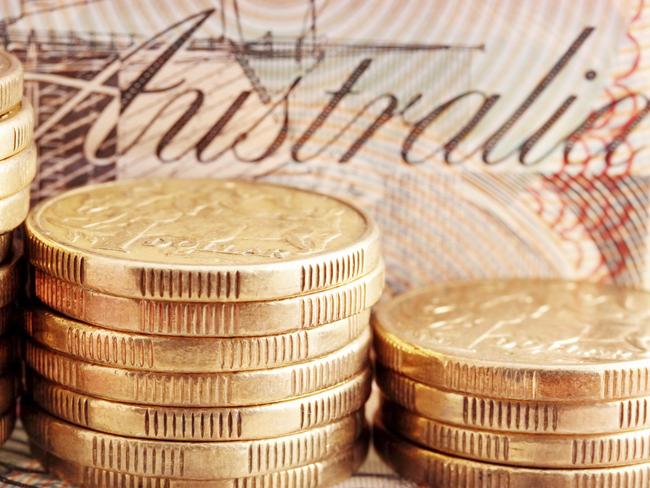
497	138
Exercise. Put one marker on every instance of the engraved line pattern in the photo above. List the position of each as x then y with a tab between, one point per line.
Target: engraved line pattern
625	450
401	390
633	413
441	473
275	455
99	346
625	383
65	265
510	415
492	447
332	306
133	455
7	87
162	389
311	377
303	477
102	478
6	426
8	286
224	425
332	272
61	296
633	477
390	352
167	283
193	319
262	352
325	410
501	381
52	366
62	403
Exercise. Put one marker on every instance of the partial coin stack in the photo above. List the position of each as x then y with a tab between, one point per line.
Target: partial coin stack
17	170
200	333
516	383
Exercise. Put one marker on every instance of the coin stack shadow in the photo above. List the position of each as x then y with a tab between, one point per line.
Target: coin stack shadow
515	384
18	164
243	365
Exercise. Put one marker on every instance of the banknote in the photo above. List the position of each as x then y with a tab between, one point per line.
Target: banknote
499	138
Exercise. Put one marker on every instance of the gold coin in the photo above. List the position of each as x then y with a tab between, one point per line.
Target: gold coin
16	129
10	319
326	472
8	391
216	319
17	171
519	449
6	240
10	274
202	424
514	415
521	339
201	389
7	423
188	460
14	209
189	354
11	81
431	468
202	240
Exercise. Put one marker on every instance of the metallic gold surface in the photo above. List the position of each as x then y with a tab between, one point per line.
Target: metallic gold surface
202	240
514	415
521	339
189	354
11	81
217	319
6	241
7	423
201	389
202	424
519	449
325	472
17	171
430	468
14	209
188	460
16	129
10	274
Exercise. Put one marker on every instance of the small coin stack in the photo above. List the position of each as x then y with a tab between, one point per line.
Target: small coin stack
17	170
516	384
200	333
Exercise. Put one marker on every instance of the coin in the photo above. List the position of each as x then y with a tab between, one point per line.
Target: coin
514	415
9	279
6	240
189	354
201	390
216	319
11	81
13	209
16	129
431	468
519	449
188	460
202	424
17	171
521	339
326	472
7	422
8	391
202	240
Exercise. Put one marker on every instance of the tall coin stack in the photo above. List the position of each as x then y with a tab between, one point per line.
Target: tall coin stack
200	333
516	384
18	164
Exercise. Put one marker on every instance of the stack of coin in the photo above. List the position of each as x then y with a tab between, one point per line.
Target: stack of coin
516	384
200	333
17	170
